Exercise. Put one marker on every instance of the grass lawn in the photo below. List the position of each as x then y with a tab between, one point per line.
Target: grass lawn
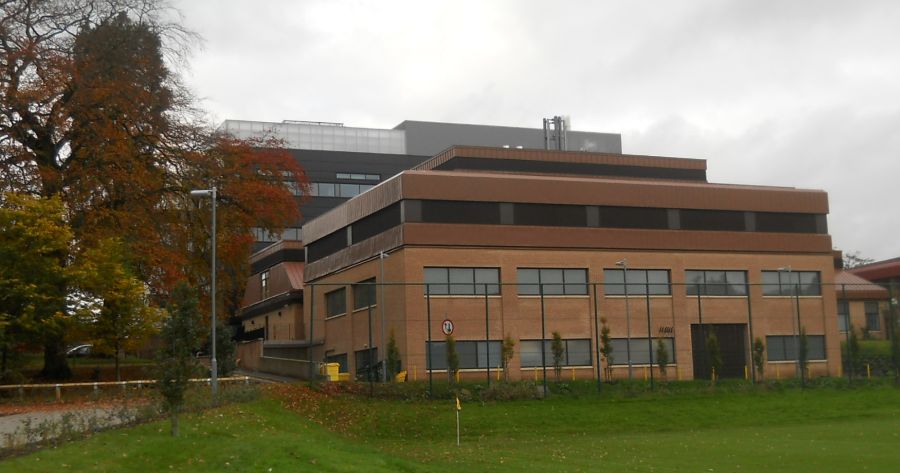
817	430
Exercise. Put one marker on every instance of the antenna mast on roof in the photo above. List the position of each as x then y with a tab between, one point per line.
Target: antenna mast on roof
555	133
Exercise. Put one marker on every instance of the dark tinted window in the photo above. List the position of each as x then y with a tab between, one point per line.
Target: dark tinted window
453	211
633	217
714	220
716	283
336	302
784	283
785	222
784	347
550	215
462	281
640	350
472	354
364	294
639	282
327	246
556	282
376	223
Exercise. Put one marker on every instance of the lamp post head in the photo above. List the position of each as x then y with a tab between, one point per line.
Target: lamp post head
623	263
784	268
200	193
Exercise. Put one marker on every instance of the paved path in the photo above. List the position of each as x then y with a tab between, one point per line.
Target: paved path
266	377
26	427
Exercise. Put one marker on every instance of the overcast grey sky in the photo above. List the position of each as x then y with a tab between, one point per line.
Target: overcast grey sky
795	93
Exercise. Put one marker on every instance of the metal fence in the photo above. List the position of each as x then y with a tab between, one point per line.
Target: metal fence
632	310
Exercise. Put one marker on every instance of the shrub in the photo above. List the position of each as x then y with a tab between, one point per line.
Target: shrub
759	358
715	356
606	348
558	350
176	362
662	357
452	358
393	357
506	353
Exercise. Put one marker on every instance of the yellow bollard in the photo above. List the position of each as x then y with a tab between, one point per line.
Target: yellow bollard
777	373
714	375
677	373
535	375
573	373
645	373
868	371
457	376
746	373
498	374
415	378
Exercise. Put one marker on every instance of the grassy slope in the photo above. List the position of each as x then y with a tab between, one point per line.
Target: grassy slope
816	430
258	436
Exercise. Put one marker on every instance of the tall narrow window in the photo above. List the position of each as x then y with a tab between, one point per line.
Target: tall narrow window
873	321
364	294
264	284
843	316
336	302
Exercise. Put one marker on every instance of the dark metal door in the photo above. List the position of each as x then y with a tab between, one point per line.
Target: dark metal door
732	346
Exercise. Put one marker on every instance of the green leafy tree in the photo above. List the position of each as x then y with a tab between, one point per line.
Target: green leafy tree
506	353
662	357
452	358
33	283
175	362
803	354
558	350
393	356
606	348
226	349
759	358
113	311
854	357
715	356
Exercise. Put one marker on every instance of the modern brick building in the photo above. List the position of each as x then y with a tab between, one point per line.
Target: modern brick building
342	162
523	243
862	304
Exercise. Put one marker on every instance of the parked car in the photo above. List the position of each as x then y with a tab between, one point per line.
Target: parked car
80	350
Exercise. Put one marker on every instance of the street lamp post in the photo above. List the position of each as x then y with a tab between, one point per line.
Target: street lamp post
381	257
795	300
624	265
214	369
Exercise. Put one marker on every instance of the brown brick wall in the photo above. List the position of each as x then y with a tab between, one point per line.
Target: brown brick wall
519	316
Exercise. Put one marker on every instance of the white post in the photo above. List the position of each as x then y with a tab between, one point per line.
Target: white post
213	366
214	369
457	427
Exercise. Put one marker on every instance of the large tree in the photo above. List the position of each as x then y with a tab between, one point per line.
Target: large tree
33	235
92	112
113	309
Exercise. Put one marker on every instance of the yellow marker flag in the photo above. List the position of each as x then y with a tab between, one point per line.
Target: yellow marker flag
458	406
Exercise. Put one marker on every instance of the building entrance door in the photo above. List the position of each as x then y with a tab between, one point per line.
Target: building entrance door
732	346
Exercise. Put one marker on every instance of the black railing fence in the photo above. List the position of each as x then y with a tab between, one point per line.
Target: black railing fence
638	310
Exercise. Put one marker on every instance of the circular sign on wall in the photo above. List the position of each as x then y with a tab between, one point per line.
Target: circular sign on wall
447	326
